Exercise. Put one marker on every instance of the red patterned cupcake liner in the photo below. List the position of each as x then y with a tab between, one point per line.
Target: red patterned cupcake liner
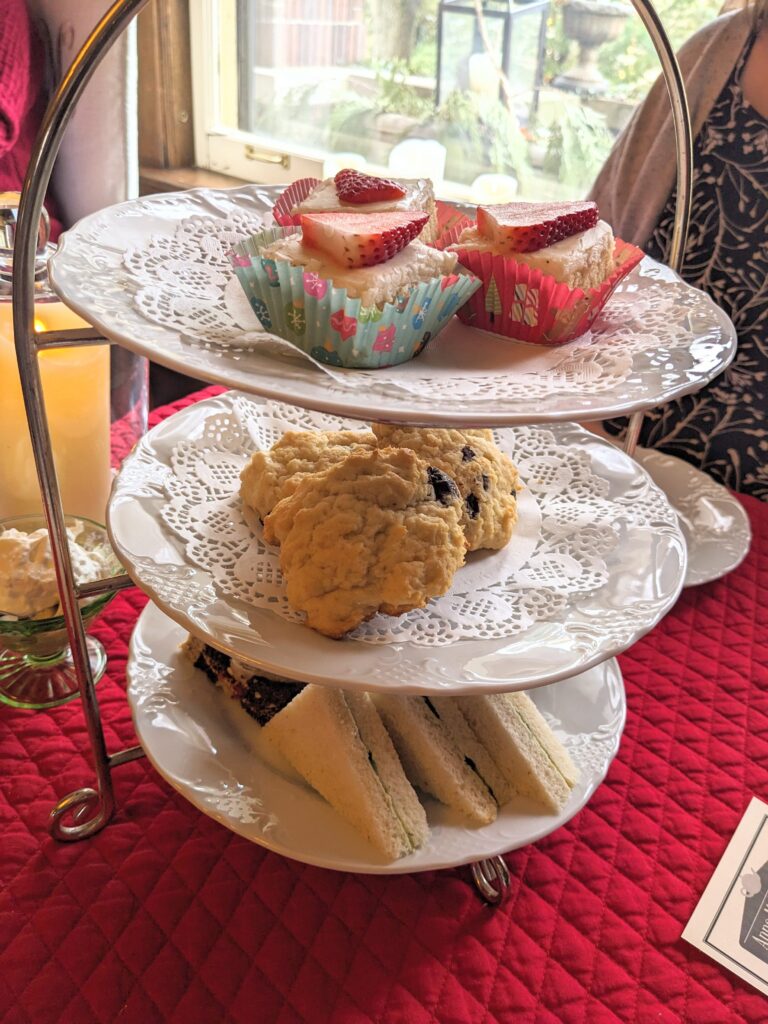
294	194
519	302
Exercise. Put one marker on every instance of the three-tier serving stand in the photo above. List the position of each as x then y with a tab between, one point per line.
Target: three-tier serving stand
84	812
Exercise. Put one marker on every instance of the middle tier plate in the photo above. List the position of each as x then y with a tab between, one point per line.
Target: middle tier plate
596	560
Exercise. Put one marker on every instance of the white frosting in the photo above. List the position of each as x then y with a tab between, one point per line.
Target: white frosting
373	285
27	575
418	196
581	261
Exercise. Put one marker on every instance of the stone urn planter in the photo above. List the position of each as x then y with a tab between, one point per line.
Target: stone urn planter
591	24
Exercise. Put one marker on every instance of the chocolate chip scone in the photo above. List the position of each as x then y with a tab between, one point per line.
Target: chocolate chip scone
379	531
485	476
274	474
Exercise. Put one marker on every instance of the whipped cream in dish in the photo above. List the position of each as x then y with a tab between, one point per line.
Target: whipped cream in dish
28	586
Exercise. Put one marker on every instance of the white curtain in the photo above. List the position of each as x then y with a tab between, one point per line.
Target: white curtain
98	160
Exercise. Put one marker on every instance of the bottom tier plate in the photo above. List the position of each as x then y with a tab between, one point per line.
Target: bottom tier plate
715	526
205	746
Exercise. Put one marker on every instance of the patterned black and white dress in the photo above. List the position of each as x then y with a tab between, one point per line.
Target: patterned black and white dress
724	427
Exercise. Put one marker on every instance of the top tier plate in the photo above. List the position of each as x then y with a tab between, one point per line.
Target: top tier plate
153	275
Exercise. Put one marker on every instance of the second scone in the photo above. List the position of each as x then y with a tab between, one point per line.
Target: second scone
274	474
485	476
378	532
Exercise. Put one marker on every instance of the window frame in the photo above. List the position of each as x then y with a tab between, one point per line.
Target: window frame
221	148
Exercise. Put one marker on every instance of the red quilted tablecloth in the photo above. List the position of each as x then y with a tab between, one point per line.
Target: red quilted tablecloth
166	916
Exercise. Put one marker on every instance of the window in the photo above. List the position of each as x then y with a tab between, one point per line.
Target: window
492	99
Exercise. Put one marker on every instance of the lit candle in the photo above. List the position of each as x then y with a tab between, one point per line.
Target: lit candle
76	391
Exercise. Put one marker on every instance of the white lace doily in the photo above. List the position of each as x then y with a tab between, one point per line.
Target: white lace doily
566	527
154	275
186	278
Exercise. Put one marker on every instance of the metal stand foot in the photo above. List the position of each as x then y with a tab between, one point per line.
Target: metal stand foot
491	879
89	811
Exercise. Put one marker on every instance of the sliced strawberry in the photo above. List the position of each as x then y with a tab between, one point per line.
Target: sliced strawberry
526	227
358	188
360	239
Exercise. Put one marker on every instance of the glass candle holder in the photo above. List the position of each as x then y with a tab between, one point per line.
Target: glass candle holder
96	397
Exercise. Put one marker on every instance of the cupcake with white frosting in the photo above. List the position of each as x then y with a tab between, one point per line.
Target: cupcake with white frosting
547	269
358	290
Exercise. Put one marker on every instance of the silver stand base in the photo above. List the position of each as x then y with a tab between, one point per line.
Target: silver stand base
90	809
491	879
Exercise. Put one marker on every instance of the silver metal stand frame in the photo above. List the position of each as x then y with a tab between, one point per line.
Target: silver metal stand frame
86	811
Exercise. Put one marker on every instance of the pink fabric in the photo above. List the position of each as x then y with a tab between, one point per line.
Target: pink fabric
22	96
167	916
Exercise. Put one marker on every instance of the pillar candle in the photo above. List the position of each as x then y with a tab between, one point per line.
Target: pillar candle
76	391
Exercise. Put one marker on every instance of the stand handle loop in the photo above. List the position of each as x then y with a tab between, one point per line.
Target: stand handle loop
80	805
681	118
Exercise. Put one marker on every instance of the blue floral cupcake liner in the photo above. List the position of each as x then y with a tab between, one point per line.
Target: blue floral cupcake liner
306	310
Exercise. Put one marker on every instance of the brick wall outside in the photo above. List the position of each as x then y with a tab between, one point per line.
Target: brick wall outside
306	33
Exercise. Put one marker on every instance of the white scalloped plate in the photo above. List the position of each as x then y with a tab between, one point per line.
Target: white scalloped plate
127	270
715	526
645	571
208	749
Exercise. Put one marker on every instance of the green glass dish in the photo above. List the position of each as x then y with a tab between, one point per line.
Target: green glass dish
36	667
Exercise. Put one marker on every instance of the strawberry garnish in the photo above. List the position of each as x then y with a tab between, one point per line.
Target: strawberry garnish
360	239
526	227
358	188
